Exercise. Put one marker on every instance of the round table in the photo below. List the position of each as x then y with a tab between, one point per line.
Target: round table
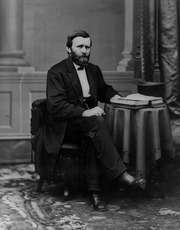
142	136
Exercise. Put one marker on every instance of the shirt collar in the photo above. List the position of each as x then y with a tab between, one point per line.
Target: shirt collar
77	66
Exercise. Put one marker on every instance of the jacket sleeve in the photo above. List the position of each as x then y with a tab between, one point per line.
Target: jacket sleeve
105	91
57	102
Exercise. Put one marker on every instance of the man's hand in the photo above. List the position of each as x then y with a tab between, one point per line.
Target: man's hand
96	111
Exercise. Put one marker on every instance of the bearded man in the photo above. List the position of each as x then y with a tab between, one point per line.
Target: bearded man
74	88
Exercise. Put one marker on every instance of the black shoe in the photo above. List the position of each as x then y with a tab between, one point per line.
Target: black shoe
140	183
97	202
127	179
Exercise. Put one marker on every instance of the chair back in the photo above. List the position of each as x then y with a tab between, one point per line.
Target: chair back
38	112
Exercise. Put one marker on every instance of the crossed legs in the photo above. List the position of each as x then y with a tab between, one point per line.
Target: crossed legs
100	148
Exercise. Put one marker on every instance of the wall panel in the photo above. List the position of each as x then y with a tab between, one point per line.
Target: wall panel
5	109
10	104
33	87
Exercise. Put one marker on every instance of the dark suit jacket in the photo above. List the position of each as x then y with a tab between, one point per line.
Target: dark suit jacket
64	98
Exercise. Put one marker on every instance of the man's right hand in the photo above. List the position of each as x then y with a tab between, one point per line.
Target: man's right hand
96	111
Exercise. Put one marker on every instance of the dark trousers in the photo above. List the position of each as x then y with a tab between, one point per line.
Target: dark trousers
99	148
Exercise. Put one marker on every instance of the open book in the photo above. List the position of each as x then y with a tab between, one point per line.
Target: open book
138	99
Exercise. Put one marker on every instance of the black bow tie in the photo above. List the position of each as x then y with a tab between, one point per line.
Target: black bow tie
80	68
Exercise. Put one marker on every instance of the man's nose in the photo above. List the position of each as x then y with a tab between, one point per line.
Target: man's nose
84	50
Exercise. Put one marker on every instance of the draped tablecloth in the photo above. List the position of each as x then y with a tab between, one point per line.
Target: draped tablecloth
142	136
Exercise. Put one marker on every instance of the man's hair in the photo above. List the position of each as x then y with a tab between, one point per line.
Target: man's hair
77	33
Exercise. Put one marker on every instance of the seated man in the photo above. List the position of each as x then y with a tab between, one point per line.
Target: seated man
74	87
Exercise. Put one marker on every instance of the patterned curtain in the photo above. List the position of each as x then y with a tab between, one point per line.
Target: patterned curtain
168	51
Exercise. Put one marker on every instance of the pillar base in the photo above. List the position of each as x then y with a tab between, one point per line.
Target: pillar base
17	69
8	69
14	58
12	62
126	64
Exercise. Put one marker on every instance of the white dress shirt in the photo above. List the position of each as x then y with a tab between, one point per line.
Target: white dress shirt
83	80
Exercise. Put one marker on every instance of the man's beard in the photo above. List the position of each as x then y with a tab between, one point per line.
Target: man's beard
80	60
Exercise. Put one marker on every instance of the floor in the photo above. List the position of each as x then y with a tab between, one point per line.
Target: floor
22	208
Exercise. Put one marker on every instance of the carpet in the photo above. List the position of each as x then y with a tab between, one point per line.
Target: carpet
22	208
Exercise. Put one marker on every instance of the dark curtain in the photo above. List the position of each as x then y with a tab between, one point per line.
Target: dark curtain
156	48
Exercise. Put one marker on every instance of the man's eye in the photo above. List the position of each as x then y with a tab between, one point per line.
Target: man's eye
81	46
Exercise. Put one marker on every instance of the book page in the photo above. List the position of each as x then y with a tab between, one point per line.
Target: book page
141	97
125	101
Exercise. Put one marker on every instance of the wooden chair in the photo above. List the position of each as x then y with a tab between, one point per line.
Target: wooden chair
65	166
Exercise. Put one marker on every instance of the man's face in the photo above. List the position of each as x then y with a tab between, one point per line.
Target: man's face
80	50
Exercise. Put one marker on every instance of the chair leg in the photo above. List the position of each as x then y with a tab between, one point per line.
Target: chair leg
66	194
40	185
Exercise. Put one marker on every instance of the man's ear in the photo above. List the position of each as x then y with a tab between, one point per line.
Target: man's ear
68	50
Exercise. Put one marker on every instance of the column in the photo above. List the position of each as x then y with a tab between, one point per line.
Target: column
11	35
125	63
